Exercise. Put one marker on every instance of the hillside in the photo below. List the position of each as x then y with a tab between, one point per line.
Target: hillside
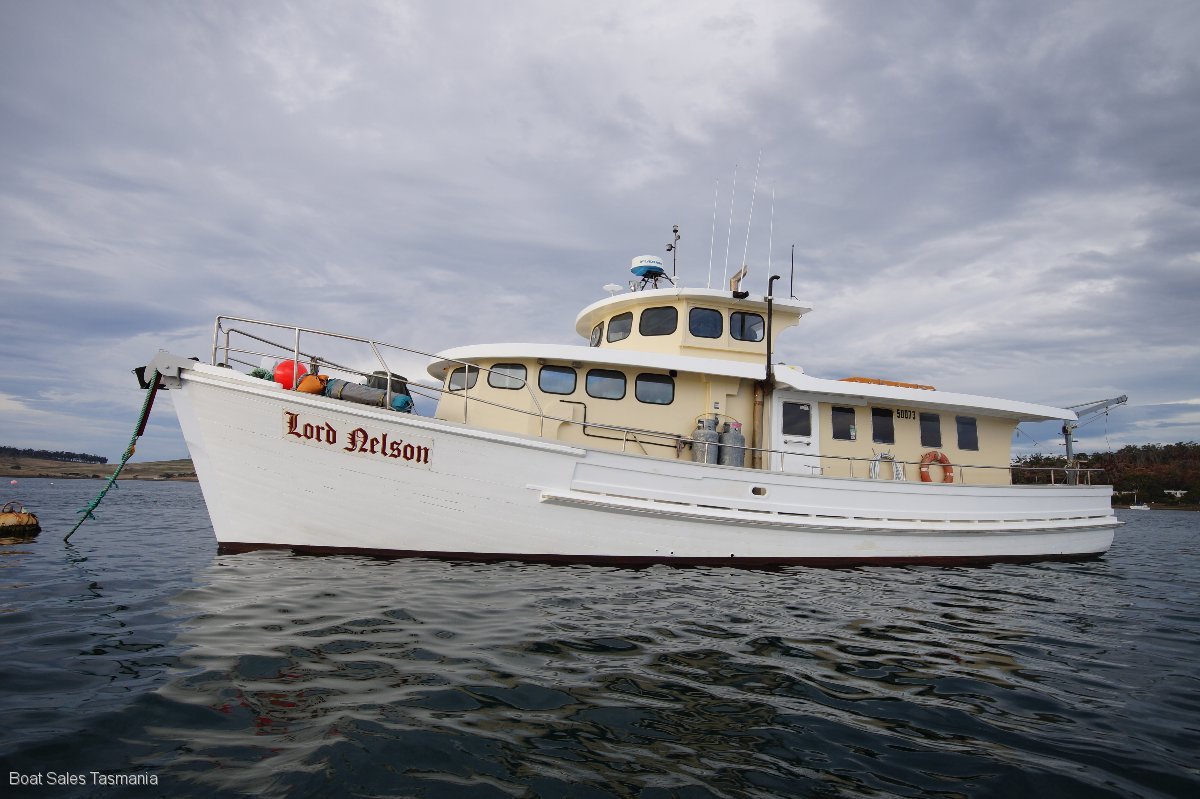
18	467
1151	470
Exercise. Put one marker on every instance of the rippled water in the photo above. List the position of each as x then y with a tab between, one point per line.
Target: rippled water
137	650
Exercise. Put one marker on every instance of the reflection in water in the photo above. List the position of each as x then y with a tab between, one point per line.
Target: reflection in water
722	682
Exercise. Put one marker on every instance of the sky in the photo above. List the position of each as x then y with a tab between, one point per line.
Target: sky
996	198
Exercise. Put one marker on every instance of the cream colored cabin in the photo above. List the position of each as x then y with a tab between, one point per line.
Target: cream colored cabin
659	360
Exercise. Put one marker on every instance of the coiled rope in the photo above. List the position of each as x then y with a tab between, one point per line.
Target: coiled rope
147	403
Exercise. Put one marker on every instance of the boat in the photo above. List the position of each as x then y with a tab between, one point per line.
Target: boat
17	523
669	434
1135	505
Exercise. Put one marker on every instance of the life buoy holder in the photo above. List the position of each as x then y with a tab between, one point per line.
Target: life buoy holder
932	457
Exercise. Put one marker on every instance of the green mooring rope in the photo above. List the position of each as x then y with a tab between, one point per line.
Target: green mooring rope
112	481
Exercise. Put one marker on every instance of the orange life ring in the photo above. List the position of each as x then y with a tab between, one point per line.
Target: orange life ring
932	457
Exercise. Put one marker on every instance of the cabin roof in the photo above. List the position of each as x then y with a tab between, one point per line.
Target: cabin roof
919	397
787	376
594	356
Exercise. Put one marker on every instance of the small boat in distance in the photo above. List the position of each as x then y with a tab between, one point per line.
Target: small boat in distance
1138	506
671	435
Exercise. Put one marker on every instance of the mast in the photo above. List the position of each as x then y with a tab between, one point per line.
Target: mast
1069	427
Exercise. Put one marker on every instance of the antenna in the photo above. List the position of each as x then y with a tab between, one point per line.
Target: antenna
771	236
749	219
792	281
672	247
713	239
729	230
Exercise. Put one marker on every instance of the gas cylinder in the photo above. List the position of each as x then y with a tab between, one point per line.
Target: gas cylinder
733	445
705	438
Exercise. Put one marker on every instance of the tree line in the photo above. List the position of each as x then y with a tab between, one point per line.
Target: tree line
52	455
1149	469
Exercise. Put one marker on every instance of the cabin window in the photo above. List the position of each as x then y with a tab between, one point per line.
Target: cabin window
463	378
843	424
746	326
557	380
706	323
605	383
654	389
883	426
968	432
597	332
620	326
507	375
797	419
659	321
931	430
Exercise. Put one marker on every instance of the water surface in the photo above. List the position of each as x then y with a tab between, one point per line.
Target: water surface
137	650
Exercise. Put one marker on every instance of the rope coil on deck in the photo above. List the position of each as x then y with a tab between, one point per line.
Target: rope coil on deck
147	403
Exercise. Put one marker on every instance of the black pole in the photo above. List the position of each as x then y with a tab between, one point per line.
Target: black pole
792	280
672	248
770	381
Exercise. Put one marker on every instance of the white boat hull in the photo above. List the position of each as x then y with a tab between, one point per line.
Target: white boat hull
280	469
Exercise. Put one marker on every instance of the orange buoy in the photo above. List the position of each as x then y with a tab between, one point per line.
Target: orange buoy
288	373
932	457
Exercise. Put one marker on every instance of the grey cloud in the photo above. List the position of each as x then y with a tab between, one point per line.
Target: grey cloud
1001	197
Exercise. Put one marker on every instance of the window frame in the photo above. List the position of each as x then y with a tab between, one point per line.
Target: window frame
851	430
608	336
923	419
472	374
783	419
974	427
692	325
587	383
642	321
746	314
560	369
597	334
500	371
659	379
876	415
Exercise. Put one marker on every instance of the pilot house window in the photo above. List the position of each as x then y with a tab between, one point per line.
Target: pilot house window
507	375
659	321
706	323
746	326
463	377
597	332
620	326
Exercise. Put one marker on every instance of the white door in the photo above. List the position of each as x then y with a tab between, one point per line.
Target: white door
795	433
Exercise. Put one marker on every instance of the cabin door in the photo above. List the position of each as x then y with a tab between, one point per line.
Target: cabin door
795	433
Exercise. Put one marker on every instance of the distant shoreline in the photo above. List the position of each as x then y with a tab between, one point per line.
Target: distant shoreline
183	470
16	468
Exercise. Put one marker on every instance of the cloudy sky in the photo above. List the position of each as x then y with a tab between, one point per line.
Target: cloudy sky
1000	198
